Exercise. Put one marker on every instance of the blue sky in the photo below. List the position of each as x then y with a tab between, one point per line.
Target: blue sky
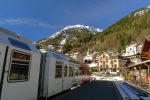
38	19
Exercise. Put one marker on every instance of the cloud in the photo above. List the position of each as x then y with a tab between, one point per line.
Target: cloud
26	21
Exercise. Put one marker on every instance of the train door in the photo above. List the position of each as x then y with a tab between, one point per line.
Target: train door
76	79
65	79
21	75
71	74
58	77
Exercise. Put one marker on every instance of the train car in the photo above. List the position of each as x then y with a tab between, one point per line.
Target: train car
19	67
52	73
60	73
73	72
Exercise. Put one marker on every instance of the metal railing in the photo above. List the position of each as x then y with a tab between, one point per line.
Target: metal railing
141	83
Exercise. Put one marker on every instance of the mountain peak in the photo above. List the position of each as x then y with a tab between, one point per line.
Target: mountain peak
83	26
89	28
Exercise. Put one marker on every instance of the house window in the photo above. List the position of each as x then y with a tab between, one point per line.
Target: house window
58	70
106	66
106	61
19	66
114	70
80	72
130	48
103	56
106	58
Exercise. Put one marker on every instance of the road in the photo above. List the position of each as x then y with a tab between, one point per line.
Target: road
96	90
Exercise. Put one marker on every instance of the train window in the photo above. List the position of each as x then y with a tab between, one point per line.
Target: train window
65	70
19	70
76	72
58	71
71	71
80	72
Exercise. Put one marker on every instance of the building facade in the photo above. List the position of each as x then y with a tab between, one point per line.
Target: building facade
132	53
110	63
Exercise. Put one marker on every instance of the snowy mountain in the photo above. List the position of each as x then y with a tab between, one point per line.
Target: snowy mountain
89	28
72	36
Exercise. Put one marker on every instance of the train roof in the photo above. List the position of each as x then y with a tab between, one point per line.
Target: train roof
13	34
64	57
56	55
11	38
59	56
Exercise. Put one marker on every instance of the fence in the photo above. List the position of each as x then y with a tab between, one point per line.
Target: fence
138	78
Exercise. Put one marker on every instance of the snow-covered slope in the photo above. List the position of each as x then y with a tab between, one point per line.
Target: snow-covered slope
91	29
82	26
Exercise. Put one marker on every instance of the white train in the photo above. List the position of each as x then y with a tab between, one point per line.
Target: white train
28	73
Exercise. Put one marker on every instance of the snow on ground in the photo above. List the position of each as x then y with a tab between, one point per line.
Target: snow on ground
113	78
118	78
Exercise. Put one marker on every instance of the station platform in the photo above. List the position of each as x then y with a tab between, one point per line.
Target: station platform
104	88
96	90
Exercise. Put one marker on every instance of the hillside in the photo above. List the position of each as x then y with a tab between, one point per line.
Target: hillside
78	38
132	27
